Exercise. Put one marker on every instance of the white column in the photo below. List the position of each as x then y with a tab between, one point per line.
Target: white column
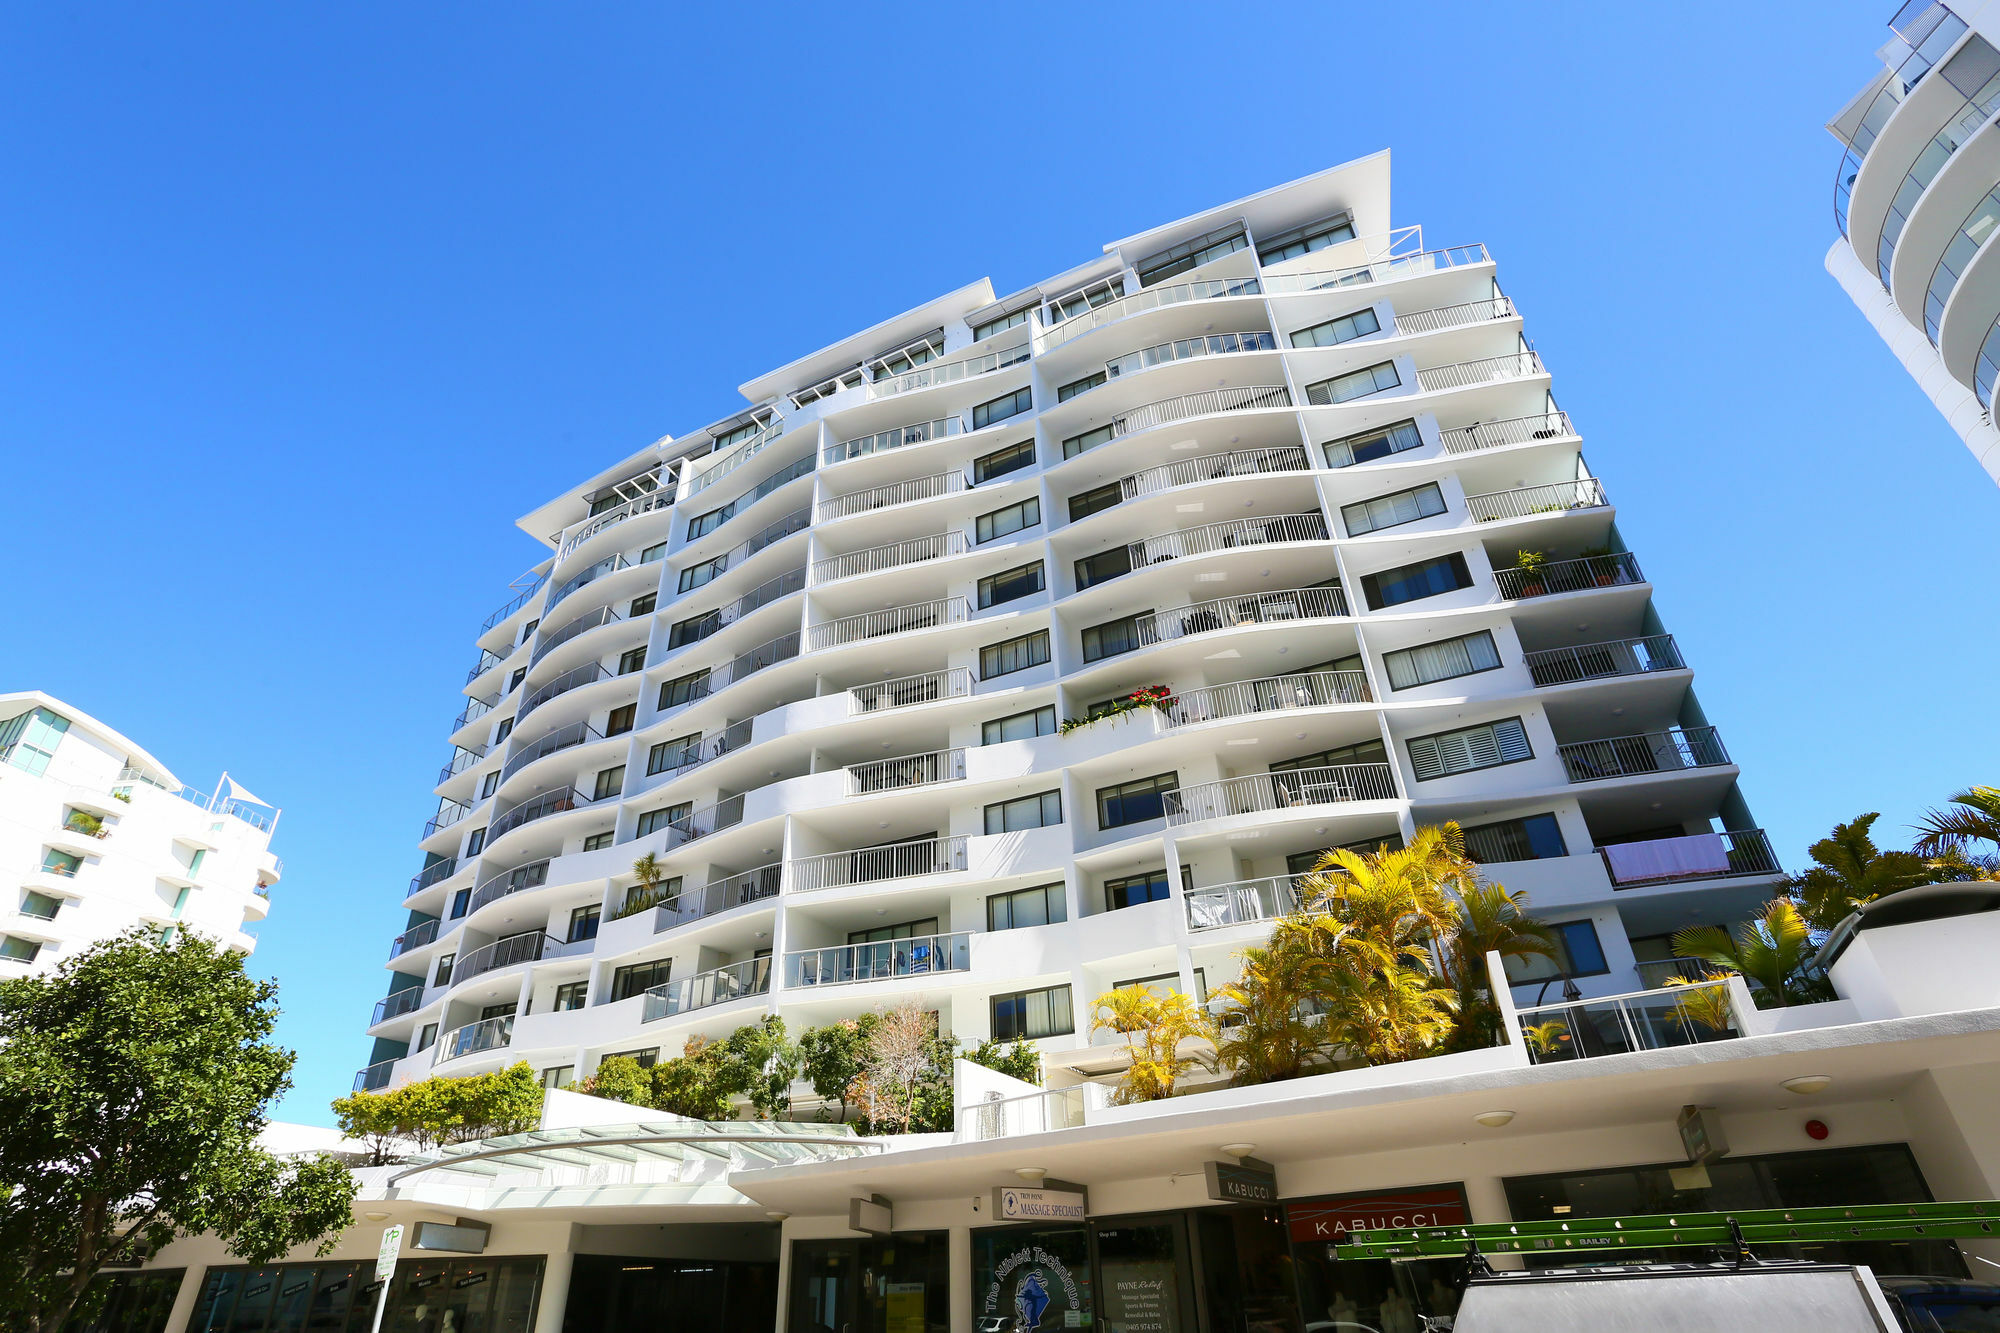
785	1281
555	1284
184	1299
959	1268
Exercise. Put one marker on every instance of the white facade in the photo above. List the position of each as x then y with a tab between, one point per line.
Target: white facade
97	836
1277	457
1917	201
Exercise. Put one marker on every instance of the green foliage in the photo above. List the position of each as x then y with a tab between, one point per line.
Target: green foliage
760	1064
124	796
1848	871
834	1057
1530	562
1976	818
84	822
1773	952
1166	1035
1152	696
1019	1060
133	1085
695	1085
441	1110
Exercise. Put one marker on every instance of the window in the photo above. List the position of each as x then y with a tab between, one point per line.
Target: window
639	897
1131	890
1025	812
597	842
643	606
526	630
514	681
41	906
1028	1014
1002	461
1345	329
1301	863
1102	567
443	976
684	689
1090	439
703	524
1008	321
571	995
631	660
657	551
737	434
694	576
694	629
491	781
1444	660
583	923
1468	749
1010	584
461	903
1135	802
506	730
1091	502
621	719
427	1036
1410	583
1393	510
1578	954
61	864
610	781
1304	240
905	930
560	1076
1366	752
28	741
1354	384
1192	254
1113	637
1000	659
645	1059
1373	444
15	949
676	753
652	821
1019	726
1531	838
1083	298
476	843
1084	385
1005	522
1039	906
639	978
999	409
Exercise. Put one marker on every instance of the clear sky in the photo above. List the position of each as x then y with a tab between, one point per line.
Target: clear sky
302	306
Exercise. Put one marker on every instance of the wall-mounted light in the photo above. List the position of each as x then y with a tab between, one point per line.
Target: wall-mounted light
1495	1119
1805	1085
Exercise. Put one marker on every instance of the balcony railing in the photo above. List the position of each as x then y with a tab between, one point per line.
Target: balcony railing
919	432
423	879
1696	856
1243	902
1270	694
375	1077
1654	974
404	1001
1209	402
1513	430
950	372
697	824
910	770
719	467
906	691
449	813
562	738
1595	661
796	521
737	981
723	895
894	620
1152	298
1285	790
416	937
1488	370
1403	266
610	564
536	807
1454	316
488	1034
696	628
611	518
474	710
520	600
575	678
461	760
530	947
583	624
1211	537
1187	349
1591	571
1646	752
880	961
1249	609
519	879
870	865
706	749
1039	1112
1523	501
895	493
1210	467
781	649
894	555
1641	1021
487	661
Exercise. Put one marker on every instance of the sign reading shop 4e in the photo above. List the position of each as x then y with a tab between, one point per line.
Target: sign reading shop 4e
1038	1205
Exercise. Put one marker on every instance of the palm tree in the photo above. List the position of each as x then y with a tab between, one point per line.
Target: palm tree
1977	819
651	875
1163	1023
1387	1009
1770	951
1398	895
1488	918
1849	871
1270	1037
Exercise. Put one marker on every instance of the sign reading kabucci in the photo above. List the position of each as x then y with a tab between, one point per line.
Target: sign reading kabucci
1331	1217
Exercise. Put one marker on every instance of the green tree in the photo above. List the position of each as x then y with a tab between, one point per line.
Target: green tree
1976	818
696	1084
133	1084
1265	1036
1019	1060
1167	1036
760	1064
371	1118
1771	952
506	1101
834	1057
1487	918
1849	871
620	1078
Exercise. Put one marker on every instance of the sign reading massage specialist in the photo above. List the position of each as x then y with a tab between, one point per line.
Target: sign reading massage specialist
1330	1217
1039	1279
1038	1205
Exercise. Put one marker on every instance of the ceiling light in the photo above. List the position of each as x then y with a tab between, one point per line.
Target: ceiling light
1238	1150
1034	1175
1805	1085
1494	1119
777	1216
376	1217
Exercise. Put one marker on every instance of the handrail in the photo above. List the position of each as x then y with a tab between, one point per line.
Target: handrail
575	678
1486	370
950	372
1453	316
1311	689
1211	537
404	1001
910	770
1243	902
1608	657
1039	1112
710	747
891	555
781	649
733	981
1151	298
869	865
1256	608
562	738
1524	501
895	493
463	757
738	890
1187	349
735	457
376	1075
1211	467
1209	402
893	620
583	624
517	880
488	1034
423	879
536	807
1635	1021
1590	571
1511	430
1642	752
488	659
796	521
1694	856
663	498
697	824
610	564
1282	790
880	960
449	813
528	947
906	691
474	710
520	601
416	937
896	437
1403	266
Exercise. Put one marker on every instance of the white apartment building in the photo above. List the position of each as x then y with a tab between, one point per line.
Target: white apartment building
820	660
98	836
1917	198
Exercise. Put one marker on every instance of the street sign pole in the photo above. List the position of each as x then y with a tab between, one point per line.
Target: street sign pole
385	1268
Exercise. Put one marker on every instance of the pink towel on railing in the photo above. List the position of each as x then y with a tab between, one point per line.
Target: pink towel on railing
1668	858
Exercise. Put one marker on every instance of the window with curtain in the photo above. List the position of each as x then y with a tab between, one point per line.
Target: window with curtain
1006	522
1113	637
1084	385
999	409
1002	461
1026	812
1410	583
1373	444
684	689
1089	502
1304	240
1135	802
1393	510
1345	329
1090	439
1355	384
1578	954
1102	567
1038	906
1530	838
1019	726
1000	659
1465	655
1026	1015
1010	584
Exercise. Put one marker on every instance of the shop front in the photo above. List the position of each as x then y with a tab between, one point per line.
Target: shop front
1337	1293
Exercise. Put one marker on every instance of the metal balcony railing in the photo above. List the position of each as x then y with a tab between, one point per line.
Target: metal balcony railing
1243	902
474	710
375	1077
487	661
443	870
950	372
416	937
562	738
1591	571
449	813
1270	694
1646	752
1595	661
870	865
520	878
1488	370
919	432
906	691
610	564
1524	501
611	518
520	600
781	649
1639	1021
697	824
879	961
461	760
796	521
575	678
894	555
1187	349
1040	1112
1402	266
1280	605
706	749
1210	467
488	1034
1454	316
910	770
1285	790
895	493
716	467
1211	537
733	891
1209	402
1512	430
583	624
894	620
1055	334
536	807
402	1002
737	981
1695	856
697	628
529	947
1654	973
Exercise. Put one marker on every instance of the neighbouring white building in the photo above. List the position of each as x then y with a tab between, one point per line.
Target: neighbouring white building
822	659
97	836
1917	201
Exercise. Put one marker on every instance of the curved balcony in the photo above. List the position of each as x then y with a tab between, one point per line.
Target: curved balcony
536	807
1732	853
575	678
1243	902
1188	349
872	865
908	691
520	600
1591	571
416	937
1271	694
1528	501
488	1034
1923	40
744	665
528	947
894	555
405	1001
474	710
1645	753
1124	307
1214	467
705	749
719	466
519	879
1289	789
1599	661
1210	402
1381	270
910	770
894	620
449	813
488	659
737	981
698	824
707	571
897	437
590	574
583	624
375	1077
562	738
461	759
895	493
1439	318
727	894
611	518
883	960
1486	370
435	874
694	629
950	372
1237	532
1279	606
1513	430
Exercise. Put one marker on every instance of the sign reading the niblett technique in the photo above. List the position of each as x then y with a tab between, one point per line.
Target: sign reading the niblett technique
1331	1217
1245	1181
1037	1205
1037	1288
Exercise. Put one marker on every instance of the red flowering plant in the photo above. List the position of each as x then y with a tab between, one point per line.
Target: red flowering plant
1152	696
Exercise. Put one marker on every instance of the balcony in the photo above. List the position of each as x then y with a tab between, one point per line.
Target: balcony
1454	316
743	665
705	749
520	600
416	937
1270	694
1402	266
520	878
583	624
461	760
1238	532
1040	1112
562	738
449	813
894	620
698	824
737	981
610	564
405	1001
1592	571
1513	430
1526	501
950	372
1488	370
872	865
1213	467
423	879
1243	902
895	555
611	518
879	961
1188	349
1650	1020
733	891
1152	298
475	710
1599	661
1209	402
487	661
1286	790
587	674
1262	608
910	770
920	432
1647	752
375	1077
1698	856
796	521
895	493
735	457
536	807
908	691
530	947
696	628
489	1034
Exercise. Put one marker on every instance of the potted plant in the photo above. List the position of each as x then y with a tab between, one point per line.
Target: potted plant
1530	565
82	821
1603	565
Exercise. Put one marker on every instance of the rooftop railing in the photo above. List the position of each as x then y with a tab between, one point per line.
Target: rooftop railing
736	981
1243	902
1404	266
407	1000
1211	537
919	432
1640	1021
1453	316
907	691
1596	661
520	600
895	493
880	961
1525	501
434	874
416	937
1211	467
518	880
1270	694
1152	298
871	865
723	895
1487	370
562	738
536	807
893	555
611	518
1511	430
1209	402
588	575
894	620
1645	752
1285	790
950	372
575	678
1591	571
1693	856
583	624
910	770
489	1034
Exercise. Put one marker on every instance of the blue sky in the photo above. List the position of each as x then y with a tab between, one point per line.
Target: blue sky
304	305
